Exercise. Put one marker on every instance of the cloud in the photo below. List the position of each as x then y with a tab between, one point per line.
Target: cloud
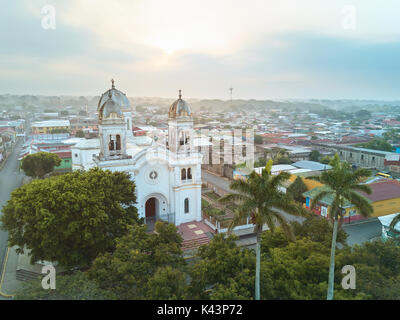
263	49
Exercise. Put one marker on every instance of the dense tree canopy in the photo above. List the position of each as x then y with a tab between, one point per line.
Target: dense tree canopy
325	160
377	266
314	155
76	286
362	114
141	261
80	134
296	189
71	218
223	271
37	165
258	139
377	144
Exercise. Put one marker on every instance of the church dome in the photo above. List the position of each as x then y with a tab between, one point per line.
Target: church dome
110	110
180	108
117	96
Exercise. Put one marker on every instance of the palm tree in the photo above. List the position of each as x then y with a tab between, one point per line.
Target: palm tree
341	183
392	227
260	198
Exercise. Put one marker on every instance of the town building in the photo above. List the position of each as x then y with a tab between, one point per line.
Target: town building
385	200
46	127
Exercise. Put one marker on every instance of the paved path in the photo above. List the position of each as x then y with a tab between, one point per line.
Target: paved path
10	178
219	182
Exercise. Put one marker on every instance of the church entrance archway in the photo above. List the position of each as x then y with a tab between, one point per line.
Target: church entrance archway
156	208
151	208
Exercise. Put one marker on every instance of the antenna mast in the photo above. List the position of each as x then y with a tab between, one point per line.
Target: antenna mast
231	89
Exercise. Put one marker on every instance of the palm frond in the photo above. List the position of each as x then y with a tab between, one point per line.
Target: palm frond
362	187
394	222
287	229
232	197
320	195
360	203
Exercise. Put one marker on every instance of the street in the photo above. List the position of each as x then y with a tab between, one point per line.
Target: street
219	182
10	178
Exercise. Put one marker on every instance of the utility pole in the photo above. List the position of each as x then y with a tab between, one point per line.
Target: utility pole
231	89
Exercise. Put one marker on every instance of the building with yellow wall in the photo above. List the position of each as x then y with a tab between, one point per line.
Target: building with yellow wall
46	127
385	199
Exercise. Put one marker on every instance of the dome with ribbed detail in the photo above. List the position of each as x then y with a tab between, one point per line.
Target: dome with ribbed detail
117	96
180	108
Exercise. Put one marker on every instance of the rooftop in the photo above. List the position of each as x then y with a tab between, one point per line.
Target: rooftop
383	190
311	165
51	123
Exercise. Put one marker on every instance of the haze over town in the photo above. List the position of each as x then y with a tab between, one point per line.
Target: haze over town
199	150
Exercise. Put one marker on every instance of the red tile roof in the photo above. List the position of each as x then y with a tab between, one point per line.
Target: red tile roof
64	155
388	189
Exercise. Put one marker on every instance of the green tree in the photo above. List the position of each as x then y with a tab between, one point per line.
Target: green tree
295	271
59	130
392	135
314	155
141	259
37	165
377	265
76	286
326	160
222	270
258	139
262	162
260	198
363	114
341	184
296	189
377	144
282	160
80	134
71	218
167	283
318	229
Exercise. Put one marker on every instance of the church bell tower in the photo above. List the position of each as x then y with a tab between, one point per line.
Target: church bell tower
112	125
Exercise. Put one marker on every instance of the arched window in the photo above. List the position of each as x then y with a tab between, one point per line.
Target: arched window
181	138
187	205
111	144
183	174
118	144
189	173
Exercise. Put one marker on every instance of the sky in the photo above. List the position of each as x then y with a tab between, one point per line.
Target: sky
264	49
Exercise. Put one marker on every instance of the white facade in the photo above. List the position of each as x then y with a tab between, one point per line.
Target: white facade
168	181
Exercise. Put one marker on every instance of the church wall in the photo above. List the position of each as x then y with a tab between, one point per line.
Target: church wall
83	158
146	186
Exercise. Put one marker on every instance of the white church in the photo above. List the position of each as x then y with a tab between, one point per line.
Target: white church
167	176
